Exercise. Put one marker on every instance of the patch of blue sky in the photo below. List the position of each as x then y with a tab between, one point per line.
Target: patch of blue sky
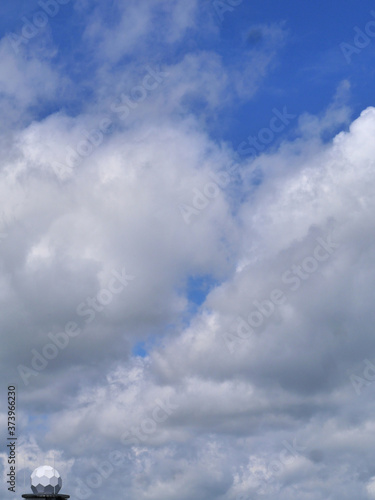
38	422
307	68
140	349
197	289
143	348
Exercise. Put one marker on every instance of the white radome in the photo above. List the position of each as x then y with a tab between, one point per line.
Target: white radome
45	480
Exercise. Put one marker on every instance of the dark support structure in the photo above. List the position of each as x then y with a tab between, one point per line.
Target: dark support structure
44	495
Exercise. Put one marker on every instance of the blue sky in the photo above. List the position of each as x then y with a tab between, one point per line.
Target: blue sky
310	61
188	258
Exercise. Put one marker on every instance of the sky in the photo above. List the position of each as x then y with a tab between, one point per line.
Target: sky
186	247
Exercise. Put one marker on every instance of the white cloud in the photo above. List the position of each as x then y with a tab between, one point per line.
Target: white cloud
272	378
229	412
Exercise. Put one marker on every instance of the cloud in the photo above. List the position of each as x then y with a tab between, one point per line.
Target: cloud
273	376
218	406
130	30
